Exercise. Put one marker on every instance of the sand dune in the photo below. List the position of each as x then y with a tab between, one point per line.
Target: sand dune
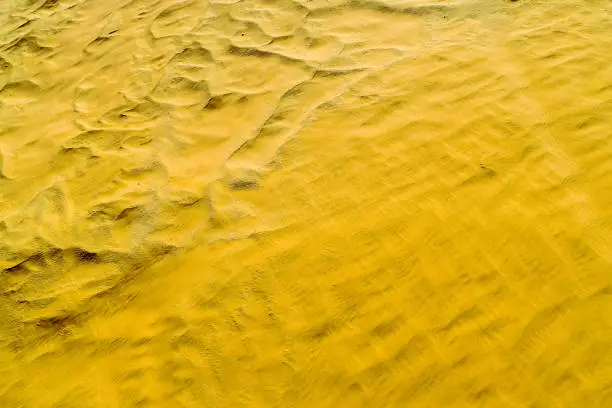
305	203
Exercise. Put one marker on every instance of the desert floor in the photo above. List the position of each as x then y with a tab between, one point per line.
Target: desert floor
305	203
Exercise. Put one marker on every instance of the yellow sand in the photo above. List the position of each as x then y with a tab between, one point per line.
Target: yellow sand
305	203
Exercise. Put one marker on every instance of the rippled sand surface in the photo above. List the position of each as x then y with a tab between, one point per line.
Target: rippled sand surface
305	203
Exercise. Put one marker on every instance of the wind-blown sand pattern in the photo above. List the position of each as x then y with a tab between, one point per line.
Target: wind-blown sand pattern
305	203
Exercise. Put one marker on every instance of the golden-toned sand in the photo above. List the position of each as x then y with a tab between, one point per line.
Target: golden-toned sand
305	203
